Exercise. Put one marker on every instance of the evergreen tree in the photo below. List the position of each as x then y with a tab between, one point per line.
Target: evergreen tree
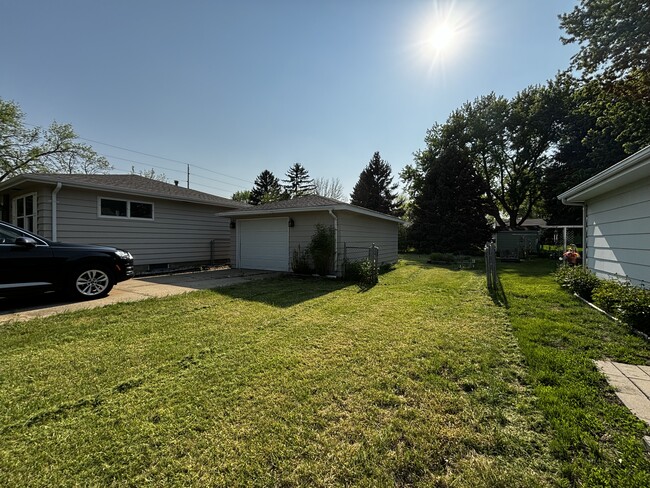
298	182
375	189
267	189
449	213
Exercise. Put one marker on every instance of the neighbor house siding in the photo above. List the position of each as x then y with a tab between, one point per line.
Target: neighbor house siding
179	232
362	231
618	239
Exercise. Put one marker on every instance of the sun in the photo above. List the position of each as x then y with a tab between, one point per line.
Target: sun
442	38
441	35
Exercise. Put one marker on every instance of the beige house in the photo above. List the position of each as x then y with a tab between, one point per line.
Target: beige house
266	236
161	224
616	209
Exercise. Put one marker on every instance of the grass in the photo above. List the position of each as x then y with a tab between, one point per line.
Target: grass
597	440
417	381
421	380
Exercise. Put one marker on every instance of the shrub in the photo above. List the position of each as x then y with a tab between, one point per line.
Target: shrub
321	248
607	295
300	261
441	257
624	301
634	307
577	280
360	272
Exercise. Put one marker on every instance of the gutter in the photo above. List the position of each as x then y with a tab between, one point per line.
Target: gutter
54	209
336	240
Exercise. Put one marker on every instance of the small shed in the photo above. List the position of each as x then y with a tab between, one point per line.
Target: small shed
515	244
616	211
267	236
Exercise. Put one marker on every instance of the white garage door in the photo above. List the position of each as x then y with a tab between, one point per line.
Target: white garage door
264	244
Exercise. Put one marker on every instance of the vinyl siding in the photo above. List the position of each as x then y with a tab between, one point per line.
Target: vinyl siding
618	234
353	230
179	233
362	231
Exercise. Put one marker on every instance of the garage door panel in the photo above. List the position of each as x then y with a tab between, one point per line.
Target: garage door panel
264	244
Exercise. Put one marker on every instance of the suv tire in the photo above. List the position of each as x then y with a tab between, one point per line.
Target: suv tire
90	282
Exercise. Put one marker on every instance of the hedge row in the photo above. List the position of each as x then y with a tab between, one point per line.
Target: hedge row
624	301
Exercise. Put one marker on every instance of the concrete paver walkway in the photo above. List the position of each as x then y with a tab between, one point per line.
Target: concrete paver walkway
632	384
140	289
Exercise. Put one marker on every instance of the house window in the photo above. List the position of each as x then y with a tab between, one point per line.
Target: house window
125	209
24	212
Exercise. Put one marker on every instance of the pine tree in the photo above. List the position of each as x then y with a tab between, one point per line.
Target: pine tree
375	189
298	182
267	189
449	213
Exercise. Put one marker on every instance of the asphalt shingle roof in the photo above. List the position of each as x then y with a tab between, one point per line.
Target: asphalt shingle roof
135	183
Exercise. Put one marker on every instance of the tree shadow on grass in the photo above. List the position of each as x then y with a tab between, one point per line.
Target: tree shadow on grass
284	291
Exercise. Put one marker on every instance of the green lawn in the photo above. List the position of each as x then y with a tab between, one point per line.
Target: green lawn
421	380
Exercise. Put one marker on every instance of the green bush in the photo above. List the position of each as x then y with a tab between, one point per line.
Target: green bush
577	280
634	307
360	272
321	249
441	257
624	301
607	295
300	261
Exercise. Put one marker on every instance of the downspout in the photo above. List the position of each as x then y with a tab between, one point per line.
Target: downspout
336	241
54	210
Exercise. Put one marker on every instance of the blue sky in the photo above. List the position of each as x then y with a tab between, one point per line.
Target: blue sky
233	88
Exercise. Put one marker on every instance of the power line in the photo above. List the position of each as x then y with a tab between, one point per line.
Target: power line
164	158
183	172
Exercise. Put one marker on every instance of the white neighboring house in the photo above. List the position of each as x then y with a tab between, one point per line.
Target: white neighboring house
616	210
161	224
267	236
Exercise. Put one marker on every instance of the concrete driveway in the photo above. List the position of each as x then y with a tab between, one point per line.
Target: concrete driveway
26	308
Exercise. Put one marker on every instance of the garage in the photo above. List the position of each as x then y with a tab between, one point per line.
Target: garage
272	235
263	244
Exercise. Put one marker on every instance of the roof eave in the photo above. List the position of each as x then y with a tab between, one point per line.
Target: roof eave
45	179
626	171
320	208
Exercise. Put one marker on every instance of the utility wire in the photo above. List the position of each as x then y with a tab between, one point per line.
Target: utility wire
183	172
164	158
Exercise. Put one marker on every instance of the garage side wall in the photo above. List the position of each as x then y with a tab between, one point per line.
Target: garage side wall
618	234
362	231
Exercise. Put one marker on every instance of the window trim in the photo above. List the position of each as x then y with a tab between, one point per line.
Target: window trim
128	209
34	214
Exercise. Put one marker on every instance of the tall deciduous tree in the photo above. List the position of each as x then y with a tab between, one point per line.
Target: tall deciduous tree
614	37
375	189
241	196
509	142
267	189
36	150
449	213
298	182
330	188
614	60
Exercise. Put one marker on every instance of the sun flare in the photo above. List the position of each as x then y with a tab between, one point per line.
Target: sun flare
442	38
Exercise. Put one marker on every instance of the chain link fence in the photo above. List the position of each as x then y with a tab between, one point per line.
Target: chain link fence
354	256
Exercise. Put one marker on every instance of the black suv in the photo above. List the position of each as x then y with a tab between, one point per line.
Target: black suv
29	262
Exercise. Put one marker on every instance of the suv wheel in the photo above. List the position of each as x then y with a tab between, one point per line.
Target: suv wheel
91	282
